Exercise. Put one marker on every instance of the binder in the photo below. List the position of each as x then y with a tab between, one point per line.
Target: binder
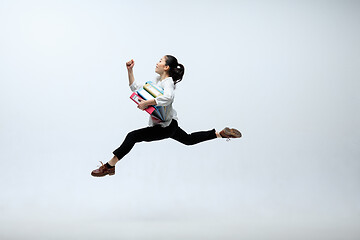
156	87
144	94
148	92
154	91
151	109
135	97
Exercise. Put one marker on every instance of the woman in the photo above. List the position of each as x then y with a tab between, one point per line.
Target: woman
170	73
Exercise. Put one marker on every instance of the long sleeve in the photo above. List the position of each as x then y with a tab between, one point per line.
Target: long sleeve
168	97
135	86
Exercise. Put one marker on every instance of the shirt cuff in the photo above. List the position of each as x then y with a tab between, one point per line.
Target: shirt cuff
133	86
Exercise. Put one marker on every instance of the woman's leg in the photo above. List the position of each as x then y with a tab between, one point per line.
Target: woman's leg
193	138
147	134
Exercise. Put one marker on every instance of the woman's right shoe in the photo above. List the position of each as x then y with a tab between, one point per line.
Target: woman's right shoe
230	133
103	171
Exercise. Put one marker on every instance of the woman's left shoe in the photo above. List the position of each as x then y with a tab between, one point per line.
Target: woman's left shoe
230	133
103	171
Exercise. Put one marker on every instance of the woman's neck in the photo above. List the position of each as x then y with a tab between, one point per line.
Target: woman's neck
163	76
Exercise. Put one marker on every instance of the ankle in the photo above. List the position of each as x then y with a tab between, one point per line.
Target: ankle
113	161
108	165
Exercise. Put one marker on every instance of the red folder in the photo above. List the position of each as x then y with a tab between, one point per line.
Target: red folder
135	97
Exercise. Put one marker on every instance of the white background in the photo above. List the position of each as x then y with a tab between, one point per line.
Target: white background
285	73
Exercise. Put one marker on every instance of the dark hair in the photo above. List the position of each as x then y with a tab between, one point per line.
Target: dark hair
176	70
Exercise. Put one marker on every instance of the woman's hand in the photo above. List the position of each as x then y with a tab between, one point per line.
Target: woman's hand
130	64
143	104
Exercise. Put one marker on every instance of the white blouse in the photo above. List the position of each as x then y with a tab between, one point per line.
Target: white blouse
164	100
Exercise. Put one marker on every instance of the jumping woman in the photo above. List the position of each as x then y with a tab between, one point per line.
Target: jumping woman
170	73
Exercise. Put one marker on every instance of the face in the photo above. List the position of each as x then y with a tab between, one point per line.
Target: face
161	66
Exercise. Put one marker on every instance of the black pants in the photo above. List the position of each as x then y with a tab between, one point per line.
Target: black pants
157	132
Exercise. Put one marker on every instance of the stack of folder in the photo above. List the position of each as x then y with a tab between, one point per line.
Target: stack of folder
147	92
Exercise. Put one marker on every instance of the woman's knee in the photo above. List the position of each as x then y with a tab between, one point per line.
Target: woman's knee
139	135
132	136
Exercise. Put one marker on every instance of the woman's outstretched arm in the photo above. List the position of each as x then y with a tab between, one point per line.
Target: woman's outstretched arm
129	65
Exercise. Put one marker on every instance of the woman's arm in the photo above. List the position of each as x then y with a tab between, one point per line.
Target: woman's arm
169	94
163	100
129	65
146	103
132	83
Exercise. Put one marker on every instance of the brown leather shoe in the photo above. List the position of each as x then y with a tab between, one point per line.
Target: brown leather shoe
230	133
103	171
